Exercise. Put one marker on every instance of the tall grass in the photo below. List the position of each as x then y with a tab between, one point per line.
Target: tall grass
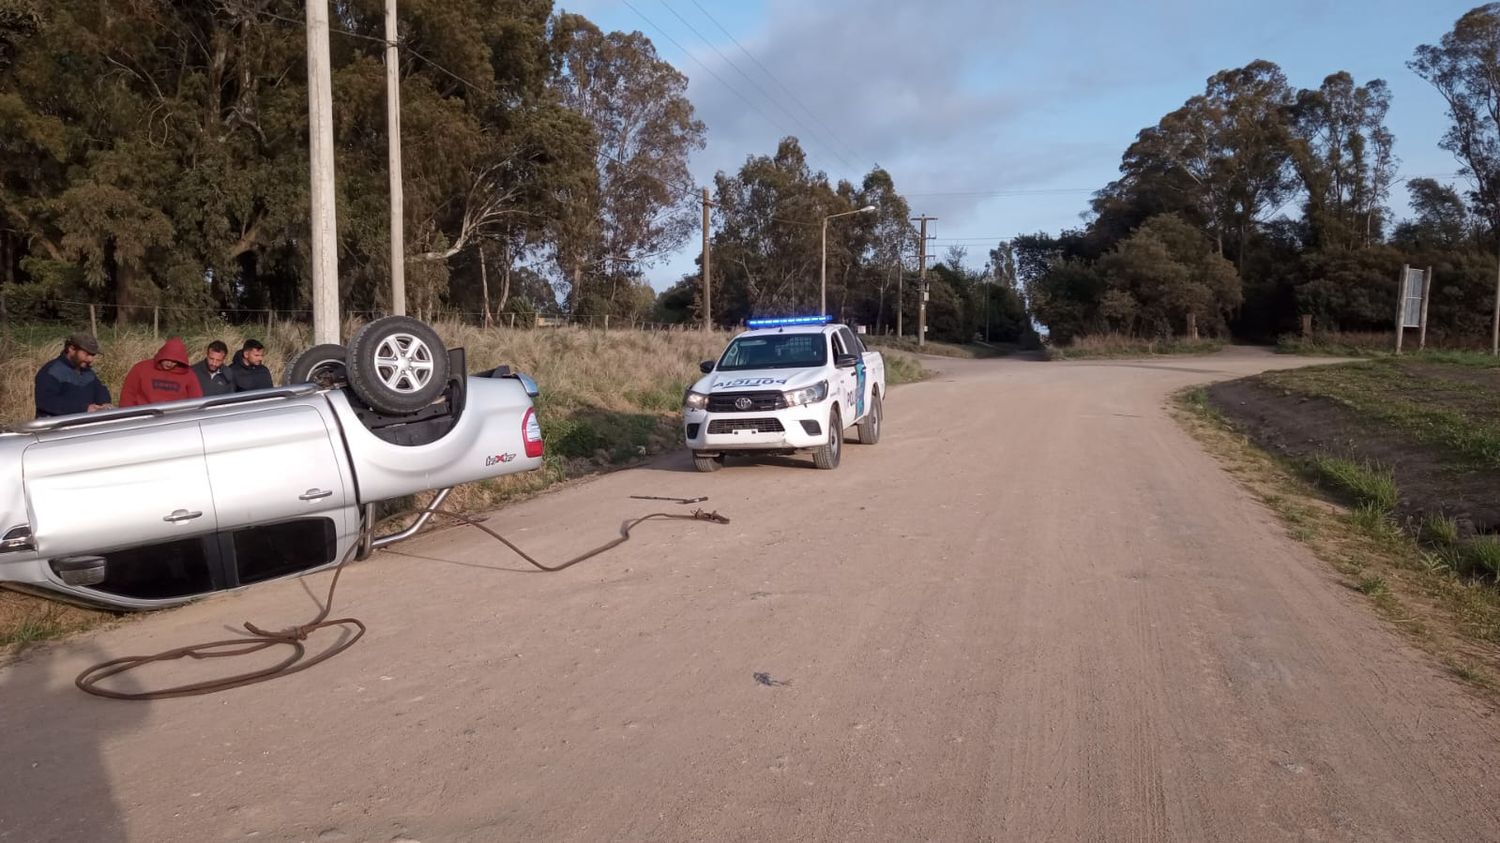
1369	485
1470	351
608	398
1123	345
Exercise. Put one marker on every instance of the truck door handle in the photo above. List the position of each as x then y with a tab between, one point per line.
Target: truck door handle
314	494
181	515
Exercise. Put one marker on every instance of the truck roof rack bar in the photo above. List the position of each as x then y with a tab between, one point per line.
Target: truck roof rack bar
149	410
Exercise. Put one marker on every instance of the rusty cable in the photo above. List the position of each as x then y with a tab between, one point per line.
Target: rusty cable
260	639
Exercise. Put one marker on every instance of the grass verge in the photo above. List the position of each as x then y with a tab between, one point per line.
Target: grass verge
1434	399
888	344
1436	590
1118	345
1379	344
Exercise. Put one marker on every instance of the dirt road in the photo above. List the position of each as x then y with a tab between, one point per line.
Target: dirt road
1035	611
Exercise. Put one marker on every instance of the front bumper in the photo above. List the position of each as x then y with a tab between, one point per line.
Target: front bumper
793	428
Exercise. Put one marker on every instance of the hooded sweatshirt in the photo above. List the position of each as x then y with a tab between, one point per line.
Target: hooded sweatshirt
149	383
245	376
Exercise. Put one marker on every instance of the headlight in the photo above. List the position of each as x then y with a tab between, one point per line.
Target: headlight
808	395
694	400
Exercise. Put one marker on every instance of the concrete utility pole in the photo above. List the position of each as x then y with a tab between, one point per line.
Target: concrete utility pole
900	300
922	266
325	256
708	319
393	135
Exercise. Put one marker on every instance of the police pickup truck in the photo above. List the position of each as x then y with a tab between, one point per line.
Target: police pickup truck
149	506
785	385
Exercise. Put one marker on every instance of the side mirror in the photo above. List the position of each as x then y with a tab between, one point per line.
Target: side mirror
846	361
706	367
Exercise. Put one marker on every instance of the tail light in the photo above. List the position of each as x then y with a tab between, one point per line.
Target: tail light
531	431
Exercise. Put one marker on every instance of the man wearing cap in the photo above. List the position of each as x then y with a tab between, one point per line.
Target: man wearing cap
68	384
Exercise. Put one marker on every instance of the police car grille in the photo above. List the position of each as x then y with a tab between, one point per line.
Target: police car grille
759	402
731	425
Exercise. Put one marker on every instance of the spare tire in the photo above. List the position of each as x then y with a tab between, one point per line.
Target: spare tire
397	365
325	365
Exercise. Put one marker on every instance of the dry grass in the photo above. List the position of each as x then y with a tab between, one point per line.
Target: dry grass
1120	345
1374	343
619	370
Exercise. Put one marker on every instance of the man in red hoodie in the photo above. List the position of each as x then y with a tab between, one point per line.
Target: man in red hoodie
165	377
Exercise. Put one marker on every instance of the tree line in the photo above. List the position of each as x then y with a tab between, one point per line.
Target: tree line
1255	204
156	154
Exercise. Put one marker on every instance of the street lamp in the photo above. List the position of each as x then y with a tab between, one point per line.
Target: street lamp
823	275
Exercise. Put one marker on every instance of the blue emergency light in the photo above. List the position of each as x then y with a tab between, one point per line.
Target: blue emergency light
784	321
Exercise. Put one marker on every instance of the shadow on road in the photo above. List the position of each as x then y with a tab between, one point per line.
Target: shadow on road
56	782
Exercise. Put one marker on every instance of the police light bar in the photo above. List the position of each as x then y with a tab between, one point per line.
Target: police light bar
783	321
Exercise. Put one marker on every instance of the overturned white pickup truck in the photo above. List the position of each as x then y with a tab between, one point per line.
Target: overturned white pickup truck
149	506
785	385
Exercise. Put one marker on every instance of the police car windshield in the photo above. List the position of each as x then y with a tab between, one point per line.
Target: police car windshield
775	351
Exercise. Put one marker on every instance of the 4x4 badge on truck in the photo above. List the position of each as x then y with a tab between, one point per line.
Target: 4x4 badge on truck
498	459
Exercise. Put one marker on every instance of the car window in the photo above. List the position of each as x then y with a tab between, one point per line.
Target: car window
276	550
161	571
774	351
851	341
838	344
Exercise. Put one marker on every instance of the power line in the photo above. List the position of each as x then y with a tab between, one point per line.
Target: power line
706	68
757	85
689	193
774	78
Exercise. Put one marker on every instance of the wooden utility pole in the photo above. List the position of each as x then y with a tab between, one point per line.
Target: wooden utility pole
325	257
708	310
1401	307
922	268
393	142
1426	294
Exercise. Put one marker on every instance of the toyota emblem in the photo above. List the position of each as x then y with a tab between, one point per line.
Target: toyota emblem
743	403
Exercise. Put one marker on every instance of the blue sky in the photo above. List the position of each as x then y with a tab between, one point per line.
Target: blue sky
1002	118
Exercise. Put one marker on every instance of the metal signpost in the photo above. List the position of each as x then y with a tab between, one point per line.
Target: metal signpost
1411	304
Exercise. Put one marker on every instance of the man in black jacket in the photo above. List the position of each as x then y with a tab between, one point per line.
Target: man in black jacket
248	370
68	384
212	375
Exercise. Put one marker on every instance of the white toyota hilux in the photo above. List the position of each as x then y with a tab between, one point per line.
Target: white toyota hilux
785	385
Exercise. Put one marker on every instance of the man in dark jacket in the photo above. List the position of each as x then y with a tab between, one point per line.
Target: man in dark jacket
68	384
165	377
248	370
212	376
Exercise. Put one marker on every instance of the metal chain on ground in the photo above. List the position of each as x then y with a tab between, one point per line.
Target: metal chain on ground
260	639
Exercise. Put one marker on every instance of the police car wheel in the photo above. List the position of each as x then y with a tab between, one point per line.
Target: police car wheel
827	456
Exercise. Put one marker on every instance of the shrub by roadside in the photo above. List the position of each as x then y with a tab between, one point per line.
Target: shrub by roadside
1118	345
